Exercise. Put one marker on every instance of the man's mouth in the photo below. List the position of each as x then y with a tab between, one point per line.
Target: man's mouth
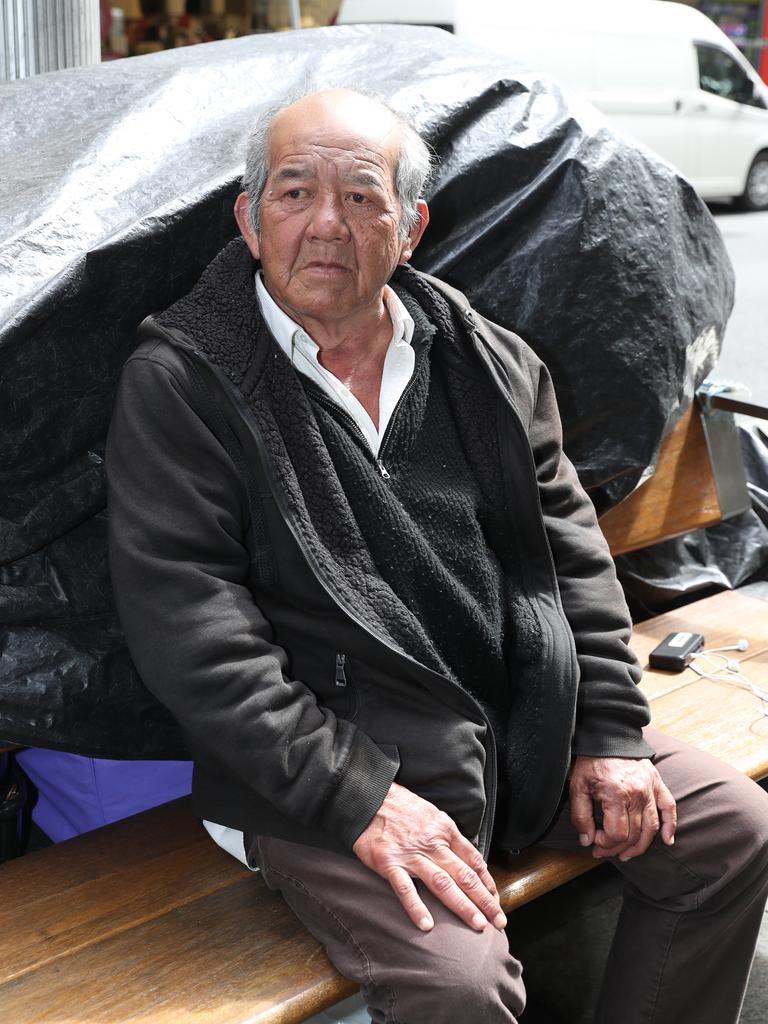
330	266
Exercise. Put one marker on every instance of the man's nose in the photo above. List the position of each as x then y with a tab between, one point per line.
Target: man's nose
328	222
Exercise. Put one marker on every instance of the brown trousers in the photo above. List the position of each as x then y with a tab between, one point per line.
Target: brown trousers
683	945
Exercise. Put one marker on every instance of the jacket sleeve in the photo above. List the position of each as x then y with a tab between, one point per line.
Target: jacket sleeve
179	566
611	710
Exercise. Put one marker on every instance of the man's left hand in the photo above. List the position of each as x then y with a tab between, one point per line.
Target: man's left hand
635	802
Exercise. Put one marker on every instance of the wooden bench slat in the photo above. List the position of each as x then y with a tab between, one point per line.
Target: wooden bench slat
533	872
680	496
54	903
228	956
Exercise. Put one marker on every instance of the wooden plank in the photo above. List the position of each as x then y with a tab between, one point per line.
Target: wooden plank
231	956
680	496
76	894
533	872
148	908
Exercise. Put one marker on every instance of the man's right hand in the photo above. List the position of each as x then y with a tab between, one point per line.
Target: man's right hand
410	838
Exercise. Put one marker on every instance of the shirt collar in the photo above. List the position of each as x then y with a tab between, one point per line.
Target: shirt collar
284	329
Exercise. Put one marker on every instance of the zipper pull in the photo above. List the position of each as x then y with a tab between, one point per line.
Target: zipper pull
341	678
383	469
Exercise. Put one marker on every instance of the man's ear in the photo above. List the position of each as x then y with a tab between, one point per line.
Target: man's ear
415	232
244	223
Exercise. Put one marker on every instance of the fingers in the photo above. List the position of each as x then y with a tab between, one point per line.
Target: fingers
643	828
461	889
616	822
456	885
668	808
472	856
582	816
635	804
476	880
409	838
629	832
630	824
412	903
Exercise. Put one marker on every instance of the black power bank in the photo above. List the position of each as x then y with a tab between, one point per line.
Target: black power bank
675	651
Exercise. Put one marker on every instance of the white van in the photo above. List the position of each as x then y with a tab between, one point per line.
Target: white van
660	71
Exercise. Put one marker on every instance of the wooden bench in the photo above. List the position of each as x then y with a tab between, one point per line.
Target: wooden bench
147	920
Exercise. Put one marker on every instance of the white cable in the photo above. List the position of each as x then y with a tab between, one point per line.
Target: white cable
740	645
735	678
716	673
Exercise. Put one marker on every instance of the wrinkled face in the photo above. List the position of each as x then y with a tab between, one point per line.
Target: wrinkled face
329	236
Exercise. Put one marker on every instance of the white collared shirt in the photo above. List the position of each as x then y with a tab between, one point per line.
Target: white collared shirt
303	352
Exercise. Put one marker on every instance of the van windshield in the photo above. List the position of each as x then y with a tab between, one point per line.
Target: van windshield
720	74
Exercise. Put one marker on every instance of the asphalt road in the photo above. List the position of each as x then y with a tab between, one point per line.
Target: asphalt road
745	350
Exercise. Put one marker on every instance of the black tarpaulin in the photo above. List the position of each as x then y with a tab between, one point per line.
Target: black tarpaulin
722	557
118	183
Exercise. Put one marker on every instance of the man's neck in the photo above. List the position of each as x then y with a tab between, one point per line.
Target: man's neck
353	350
351	337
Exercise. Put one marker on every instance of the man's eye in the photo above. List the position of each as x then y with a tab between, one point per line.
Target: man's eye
358	198
295	193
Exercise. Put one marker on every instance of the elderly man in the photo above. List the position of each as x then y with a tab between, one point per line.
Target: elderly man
352	559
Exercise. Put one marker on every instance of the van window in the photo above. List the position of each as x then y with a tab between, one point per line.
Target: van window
721	74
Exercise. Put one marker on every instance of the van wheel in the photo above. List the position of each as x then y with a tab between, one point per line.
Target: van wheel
755	196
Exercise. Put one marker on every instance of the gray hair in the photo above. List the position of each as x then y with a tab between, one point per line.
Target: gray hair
412	171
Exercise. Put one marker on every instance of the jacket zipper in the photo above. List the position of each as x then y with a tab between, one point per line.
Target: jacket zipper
341	676
329	403
387	433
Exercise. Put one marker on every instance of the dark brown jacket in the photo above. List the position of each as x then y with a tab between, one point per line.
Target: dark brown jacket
239	617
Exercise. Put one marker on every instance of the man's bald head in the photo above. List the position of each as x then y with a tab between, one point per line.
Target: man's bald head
411	159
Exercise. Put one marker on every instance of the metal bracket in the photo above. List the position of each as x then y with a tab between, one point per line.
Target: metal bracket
722	437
